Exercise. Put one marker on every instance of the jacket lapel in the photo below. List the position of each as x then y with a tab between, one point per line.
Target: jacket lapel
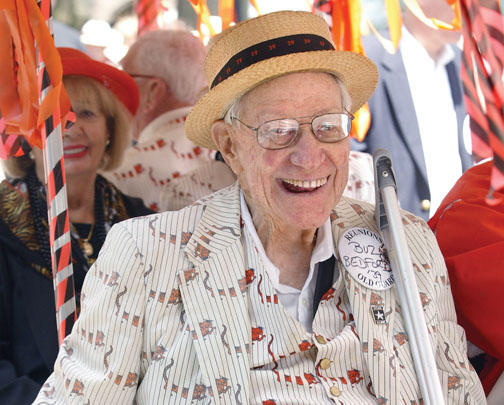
377	339
214	298
396	83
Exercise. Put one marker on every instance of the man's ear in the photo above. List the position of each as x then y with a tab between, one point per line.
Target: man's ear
226	144
156	92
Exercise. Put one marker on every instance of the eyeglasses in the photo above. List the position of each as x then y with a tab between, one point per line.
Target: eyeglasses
134	76
281	133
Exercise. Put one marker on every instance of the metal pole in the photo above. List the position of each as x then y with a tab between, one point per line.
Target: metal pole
57	202
390	224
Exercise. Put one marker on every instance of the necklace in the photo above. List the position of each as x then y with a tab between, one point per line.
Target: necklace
36	192
85	243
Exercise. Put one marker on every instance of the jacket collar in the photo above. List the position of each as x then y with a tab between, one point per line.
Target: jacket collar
396	82
219	224
214	296
160	125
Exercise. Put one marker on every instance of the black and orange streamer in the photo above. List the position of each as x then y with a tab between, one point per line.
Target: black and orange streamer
54	105
34	105
482	67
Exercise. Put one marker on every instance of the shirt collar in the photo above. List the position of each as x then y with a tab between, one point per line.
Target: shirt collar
412	47
323	250
169	118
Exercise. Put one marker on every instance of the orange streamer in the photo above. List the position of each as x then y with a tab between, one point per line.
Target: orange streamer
254	4
394	21
361	123
52	61
200	7
227	12
23	29
337	18
354	19
8	88
457	19
346	18
454	25
19	52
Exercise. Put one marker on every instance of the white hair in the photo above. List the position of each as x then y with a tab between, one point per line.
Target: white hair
176	56
346	101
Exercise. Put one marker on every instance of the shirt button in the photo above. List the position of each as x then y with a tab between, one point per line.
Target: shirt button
304	302
425	204
325	364
335	391
321	339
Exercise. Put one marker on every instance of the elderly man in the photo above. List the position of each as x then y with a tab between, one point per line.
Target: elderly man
168	68
255	294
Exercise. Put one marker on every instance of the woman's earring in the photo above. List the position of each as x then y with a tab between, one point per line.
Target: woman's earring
107	144
104	160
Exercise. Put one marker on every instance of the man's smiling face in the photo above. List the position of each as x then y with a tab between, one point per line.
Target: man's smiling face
300	184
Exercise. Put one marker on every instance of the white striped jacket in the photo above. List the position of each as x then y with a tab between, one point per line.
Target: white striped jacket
178	309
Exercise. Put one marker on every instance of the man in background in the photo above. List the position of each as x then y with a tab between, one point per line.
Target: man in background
417	110
168	68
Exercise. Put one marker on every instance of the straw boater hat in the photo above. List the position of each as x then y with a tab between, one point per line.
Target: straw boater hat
254	51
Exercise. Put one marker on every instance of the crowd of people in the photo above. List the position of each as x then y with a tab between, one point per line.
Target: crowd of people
214	196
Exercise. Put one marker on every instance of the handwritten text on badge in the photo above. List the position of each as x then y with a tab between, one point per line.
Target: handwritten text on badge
364	256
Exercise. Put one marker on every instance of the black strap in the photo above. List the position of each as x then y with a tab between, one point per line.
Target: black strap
270	49
325	275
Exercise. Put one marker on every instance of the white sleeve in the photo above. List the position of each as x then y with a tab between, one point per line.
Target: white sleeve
99	362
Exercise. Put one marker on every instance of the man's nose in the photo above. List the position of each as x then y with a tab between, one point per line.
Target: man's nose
308	152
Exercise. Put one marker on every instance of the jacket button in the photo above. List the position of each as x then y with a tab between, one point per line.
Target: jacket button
425	204
325	364
321	339
335	391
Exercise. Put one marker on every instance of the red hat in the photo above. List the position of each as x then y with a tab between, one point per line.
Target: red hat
118	82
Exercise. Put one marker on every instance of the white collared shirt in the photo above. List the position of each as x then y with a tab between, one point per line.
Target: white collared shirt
298	303
437	120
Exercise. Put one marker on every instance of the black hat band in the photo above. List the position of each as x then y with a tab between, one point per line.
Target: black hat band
270	49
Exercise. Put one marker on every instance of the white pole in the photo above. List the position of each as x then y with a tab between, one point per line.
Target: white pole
391	227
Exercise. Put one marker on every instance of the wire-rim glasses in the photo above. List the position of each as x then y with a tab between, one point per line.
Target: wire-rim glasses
140	76
281	133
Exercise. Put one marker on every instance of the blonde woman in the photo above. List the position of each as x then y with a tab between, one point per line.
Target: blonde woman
103	99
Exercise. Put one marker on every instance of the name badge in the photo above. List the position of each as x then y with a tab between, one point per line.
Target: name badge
364	256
